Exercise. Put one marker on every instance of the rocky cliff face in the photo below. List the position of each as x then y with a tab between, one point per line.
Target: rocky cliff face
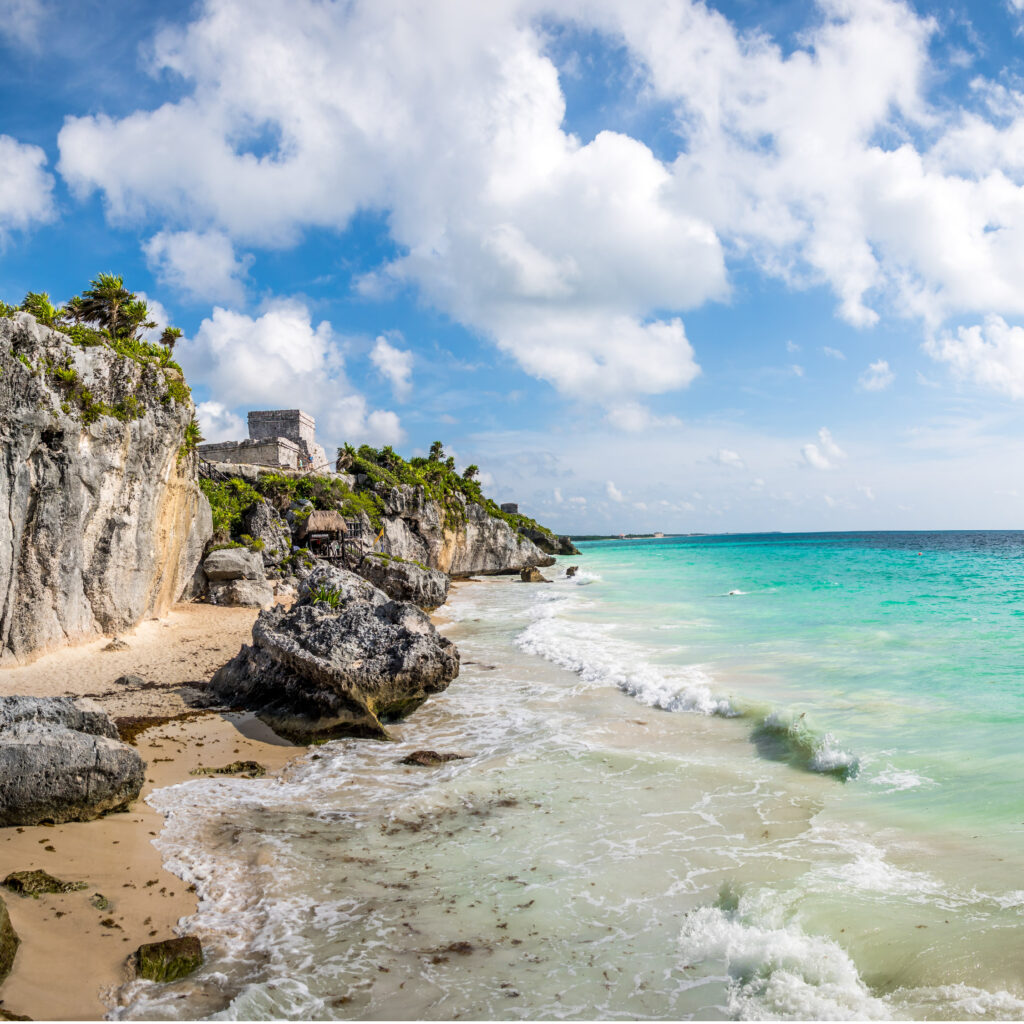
101	522
416	529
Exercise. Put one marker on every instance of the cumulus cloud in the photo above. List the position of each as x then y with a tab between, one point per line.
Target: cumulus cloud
824	453
877	377
218	423
989	354
567	252
26	189
395	365
613	492
200	264
281	359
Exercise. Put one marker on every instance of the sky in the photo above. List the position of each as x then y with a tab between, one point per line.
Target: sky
650	264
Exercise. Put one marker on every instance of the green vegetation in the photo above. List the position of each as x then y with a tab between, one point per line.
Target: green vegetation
193	439
229	500
327	596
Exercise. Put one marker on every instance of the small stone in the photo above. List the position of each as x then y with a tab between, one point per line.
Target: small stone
99	901
251	768
531	574
572	570
129	681
169	960
117	644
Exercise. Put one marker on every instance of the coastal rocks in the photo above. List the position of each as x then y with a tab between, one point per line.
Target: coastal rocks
9	942
343	661
265	525
61	760
472	542
551	543
101	519
236	577
406	581
571	571
532	575
168	960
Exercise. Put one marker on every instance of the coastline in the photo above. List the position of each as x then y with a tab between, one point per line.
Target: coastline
72	954
67	934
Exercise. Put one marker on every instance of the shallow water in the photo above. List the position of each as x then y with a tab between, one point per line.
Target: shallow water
652	819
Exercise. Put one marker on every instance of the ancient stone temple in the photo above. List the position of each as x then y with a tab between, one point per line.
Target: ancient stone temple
283	438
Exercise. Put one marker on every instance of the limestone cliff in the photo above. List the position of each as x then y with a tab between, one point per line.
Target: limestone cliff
101	520
471	543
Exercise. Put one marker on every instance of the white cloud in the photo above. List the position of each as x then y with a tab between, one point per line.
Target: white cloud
796	370
26	189
557	494
21	21
877	377
824	453
613	492
200	264
833	353
792	346
868	492
395	365
989	354
727	457
218	423
158	314
567	252
279	360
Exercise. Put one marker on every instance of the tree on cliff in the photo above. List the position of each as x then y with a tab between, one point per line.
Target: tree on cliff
436	452
471	472
105	301
40	306
170	337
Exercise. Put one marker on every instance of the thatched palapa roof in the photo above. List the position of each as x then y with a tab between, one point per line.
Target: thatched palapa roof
323	521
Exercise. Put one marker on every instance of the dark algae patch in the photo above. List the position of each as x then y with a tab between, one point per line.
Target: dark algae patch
250	769
38	883
169	960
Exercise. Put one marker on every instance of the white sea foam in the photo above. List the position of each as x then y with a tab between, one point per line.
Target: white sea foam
898	779
958	1002
778	973
593	652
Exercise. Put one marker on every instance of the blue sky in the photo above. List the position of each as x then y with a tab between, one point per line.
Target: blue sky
654	265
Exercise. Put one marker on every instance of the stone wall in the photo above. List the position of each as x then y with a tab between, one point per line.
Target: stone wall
273	451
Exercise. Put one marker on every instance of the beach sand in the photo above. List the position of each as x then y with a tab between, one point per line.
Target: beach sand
72	952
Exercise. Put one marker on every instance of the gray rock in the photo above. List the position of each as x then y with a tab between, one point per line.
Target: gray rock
406	581
572	570
100	522
241	593
129	681
551	543
9	942
61	760
233	564
318	671
261	522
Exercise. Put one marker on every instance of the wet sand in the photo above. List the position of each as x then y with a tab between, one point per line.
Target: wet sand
75	947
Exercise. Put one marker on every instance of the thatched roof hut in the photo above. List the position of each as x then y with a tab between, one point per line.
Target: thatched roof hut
322	521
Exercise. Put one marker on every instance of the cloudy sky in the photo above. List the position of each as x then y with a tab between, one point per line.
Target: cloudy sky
652	264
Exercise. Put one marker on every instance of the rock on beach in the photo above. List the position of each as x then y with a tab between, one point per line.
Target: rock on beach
344	660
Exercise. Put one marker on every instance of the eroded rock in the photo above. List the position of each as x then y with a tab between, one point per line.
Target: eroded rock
430	758
61	760
9	942
38	883
344	660
406	581
233	564
241	593
533	575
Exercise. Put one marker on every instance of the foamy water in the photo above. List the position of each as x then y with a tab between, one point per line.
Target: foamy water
651	821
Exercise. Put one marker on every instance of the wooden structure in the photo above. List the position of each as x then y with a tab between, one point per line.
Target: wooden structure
323	532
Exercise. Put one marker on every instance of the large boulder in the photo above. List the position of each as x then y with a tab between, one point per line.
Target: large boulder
233	564
344	660
406	581
102	522
263	523
552	543
61	760
241	593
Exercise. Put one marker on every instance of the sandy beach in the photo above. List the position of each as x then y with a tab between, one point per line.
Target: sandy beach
74	947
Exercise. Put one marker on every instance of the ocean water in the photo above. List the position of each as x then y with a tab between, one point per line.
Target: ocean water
741	777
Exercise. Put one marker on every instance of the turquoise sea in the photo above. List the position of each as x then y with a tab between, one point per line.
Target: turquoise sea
749	777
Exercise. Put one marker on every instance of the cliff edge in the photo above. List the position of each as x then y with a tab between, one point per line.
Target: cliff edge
101	520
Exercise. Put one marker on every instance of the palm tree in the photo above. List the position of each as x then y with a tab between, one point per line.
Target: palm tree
436	452
135	319
40	306
169	337
73	310
105	301
471	471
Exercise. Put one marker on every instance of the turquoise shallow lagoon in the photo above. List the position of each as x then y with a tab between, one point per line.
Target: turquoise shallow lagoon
761	777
